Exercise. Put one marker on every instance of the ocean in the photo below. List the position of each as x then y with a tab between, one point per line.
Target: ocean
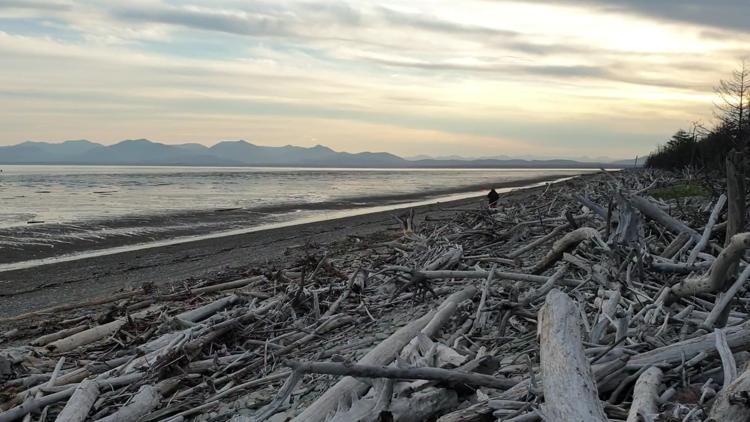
46	207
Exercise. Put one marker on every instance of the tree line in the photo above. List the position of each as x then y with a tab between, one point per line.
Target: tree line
706	150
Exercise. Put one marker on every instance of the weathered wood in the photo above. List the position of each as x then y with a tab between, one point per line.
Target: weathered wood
652	211
725	298
708	230
95	333
717	276
203	312
382	354
738	338
80	403
570	393
147	399
568	242
731	404
372	371
645	395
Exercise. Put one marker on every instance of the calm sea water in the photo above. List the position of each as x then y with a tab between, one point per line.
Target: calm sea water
55	194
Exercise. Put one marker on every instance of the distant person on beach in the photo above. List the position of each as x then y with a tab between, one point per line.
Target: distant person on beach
492	198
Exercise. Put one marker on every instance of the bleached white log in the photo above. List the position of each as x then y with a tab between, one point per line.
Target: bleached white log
717	276
538	242
607	315
146	400
645	395
78	406
48	338
203	312
738	338
563	245
727	360
707	230
725	298
652	211
480	318
570	393
94	333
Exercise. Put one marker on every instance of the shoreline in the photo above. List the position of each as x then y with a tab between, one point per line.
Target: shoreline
60	242
73	281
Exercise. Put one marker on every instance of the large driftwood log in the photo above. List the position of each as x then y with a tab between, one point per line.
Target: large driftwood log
79	404
147	399
568	242
738	338
95	333
569	390
432	374
652	211
203	312
718	275
645	395
382	354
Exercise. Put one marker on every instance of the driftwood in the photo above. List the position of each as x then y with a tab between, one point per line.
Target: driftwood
383	354
400	318
370	371
731	405
569	389
718	275
651	210
563	245
645	395
79	404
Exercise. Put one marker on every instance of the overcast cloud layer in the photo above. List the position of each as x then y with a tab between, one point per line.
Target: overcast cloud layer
487	77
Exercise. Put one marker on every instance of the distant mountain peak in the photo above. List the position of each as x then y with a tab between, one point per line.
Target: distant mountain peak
243	153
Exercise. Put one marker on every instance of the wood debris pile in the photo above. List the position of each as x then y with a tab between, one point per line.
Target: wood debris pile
586	300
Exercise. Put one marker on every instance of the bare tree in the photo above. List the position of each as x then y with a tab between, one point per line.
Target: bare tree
732	107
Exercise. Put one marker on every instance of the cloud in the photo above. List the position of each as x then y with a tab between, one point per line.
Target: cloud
235	22
725	14
34	5
523	75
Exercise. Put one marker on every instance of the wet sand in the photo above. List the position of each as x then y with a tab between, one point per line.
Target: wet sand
43	286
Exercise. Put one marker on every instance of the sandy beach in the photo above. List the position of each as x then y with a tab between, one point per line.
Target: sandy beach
72	281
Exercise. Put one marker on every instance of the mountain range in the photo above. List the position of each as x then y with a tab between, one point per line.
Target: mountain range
243	153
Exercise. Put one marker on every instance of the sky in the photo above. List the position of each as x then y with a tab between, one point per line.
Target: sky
567	78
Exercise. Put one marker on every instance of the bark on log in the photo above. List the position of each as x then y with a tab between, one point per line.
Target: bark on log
80	403
645	395
570	393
